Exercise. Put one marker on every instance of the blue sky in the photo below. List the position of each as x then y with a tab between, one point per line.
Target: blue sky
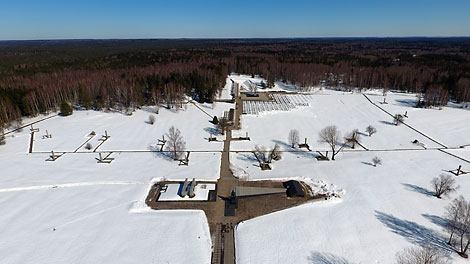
64	19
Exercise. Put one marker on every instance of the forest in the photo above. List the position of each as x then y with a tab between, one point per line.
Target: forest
38	76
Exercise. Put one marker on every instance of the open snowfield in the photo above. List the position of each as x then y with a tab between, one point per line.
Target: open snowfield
97	209
450	126
384	209
98	213
346	111
96	224
245	81
227	91
129	132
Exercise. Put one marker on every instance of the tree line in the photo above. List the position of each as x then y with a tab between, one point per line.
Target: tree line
38	76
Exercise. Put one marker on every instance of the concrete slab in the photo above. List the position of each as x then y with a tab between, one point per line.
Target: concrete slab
242	191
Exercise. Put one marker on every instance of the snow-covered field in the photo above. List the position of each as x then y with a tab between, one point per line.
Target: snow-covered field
245	82
450	126
346	111
383	210
96	209
75	210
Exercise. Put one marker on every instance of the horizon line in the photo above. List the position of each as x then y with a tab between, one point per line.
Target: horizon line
241	38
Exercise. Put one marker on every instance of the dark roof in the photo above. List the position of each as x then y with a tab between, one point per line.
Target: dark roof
293	188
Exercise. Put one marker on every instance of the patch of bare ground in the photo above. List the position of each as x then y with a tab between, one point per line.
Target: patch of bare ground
248	207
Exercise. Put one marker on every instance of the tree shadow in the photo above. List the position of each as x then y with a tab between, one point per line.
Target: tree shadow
363	134
407	102
160	154
326	258
413	232
149	109
306	153
211	130
249	157
388	123
437	220
418	189
283	144
206	106
367	163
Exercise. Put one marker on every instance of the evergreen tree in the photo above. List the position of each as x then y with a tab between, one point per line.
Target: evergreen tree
65	109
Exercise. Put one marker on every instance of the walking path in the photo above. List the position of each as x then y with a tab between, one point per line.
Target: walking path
29	124
202	110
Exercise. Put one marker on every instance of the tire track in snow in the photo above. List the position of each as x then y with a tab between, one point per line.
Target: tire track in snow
68	185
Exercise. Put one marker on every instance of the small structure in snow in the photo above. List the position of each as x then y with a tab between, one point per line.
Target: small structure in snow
244	138
161	143
191	188
185	161
322	157
47	135
305	145
53	156
459	171
106	159
293	189
211	138
184	189
34	129
105	136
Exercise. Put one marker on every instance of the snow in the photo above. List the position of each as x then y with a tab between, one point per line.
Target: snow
94	225
227	91
449	125
129	132
383	209
201	192
346	111
245	81
98	210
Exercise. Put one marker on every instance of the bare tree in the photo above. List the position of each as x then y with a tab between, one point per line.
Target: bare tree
18	125
330	135
443	185
453	212
458	218
2	136
253	87
222	125
293	137
275	153
397	119
151	119
464	228
175	143
371	130
421	255
353	138
376	161
261	154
